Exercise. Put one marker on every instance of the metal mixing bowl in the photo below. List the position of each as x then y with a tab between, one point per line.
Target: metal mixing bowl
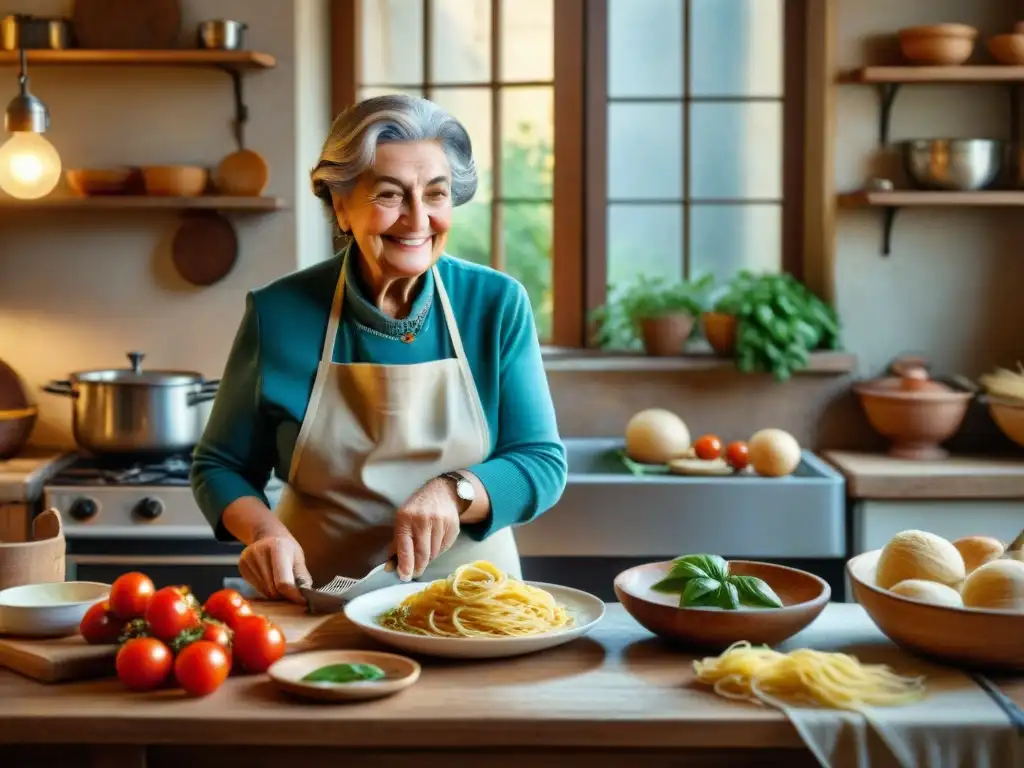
954	164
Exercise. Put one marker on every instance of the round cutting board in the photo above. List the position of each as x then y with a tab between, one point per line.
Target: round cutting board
205	248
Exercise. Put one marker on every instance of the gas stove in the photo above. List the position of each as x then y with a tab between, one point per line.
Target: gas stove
100	497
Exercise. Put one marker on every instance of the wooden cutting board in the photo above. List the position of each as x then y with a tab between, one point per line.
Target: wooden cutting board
71	658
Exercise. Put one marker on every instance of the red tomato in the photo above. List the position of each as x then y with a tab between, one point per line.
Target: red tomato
144	663
99	626
257	643
201	668
169	614
216	633
708	447
736	454
226	605
130	595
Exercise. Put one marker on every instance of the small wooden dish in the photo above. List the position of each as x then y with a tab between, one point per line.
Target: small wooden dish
400	672
803	596
174	180
938	44
968	637
93	182
1008	49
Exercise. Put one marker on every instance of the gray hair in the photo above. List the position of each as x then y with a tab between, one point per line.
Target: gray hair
351	146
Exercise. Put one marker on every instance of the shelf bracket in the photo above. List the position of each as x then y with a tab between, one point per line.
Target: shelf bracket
241	108
887	96
888	219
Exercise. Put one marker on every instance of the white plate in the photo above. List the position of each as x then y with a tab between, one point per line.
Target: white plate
585	609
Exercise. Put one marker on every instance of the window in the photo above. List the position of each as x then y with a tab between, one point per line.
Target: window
490	63
613	137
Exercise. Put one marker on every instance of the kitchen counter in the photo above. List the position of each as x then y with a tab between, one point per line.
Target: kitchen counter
22	478
616	697
877	476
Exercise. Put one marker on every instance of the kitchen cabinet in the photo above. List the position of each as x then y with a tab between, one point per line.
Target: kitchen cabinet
21	485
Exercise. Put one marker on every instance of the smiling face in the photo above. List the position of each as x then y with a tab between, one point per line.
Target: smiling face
400	210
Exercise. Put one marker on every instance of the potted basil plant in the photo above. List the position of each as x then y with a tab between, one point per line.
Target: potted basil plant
653	313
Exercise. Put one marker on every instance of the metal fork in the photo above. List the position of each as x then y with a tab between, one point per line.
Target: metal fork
332	597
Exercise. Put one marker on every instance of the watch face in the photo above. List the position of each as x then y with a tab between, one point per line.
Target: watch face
465	490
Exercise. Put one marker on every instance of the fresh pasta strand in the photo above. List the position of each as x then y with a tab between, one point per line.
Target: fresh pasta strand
838	680
477	600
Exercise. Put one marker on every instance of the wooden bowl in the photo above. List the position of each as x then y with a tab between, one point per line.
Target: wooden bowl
1008	416
174	180
966	637
400	672
1008	49
938	44
93	182
15	428
243	173
720	331
803	594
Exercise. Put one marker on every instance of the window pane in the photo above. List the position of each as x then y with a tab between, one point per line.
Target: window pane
472	107
736	150
645	151
392	41
736	47
470	235
527	231
527	136
527	40
727	238
460	51
369	93
645	47
644	239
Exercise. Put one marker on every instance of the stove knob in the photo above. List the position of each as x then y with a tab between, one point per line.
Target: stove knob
83	509
149	508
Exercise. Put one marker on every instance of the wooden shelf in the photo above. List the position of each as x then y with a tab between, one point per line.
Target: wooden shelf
118	203
949	75
913	198
571	360
231	60
891	202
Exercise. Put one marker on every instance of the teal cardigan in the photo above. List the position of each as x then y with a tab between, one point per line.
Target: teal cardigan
269	375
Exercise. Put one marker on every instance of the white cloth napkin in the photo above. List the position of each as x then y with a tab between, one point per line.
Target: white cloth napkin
957	725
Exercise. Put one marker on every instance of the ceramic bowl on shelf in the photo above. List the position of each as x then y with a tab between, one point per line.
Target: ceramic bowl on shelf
174	180
961	636
803	596
15	428
1008	416
914	412
938	44
93	182
1008	49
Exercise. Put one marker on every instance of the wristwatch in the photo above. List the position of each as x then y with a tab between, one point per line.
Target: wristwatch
464	489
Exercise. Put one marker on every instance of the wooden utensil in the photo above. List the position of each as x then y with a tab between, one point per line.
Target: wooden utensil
243	173
127	24
205	248
71	658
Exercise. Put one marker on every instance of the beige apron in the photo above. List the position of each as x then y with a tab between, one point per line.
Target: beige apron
371	436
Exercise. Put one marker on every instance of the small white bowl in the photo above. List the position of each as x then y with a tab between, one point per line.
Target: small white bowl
48	610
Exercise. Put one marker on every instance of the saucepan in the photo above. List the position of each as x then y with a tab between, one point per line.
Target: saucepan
136	411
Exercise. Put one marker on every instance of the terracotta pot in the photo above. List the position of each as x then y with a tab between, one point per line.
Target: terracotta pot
917	414
665	335
40	561
720	331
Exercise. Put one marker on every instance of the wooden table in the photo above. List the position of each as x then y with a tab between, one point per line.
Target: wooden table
618	697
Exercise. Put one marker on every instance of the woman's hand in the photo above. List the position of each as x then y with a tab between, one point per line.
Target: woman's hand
274	565
425	526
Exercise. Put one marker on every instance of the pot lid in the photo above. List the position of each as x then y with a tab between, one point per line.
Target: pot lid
136	375
912	382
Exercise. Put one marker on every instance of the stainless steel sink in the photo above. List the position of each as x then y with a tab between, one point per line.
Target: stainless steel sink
606	511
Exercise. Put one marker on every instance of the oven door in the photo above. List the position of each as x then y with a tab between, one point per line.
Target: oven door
203	565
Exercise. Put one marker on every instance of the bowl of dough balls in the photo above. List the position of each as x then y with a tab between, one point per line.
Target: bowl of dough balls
960	601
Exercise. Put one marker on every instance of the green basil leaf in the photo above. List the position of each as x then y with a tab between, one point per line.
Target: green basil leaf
700	593
727	596
344	673
671	586
755	592
700	566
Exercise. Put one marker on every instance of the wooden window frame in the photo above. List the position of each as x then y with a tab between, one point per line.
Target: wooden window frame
579	238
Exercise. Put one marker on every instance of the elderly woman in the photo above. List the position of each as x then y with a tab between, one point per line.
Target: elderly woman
398	390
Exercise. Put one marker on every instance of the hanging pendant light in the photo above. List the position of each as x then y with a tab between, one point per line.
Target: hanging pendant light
29	164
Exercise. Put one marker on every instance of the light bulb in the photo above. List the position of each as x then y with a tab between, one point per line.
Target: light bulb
29	166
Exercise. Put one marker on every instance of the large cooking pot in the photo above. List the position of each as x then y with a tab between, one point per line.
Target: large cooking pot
135	411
